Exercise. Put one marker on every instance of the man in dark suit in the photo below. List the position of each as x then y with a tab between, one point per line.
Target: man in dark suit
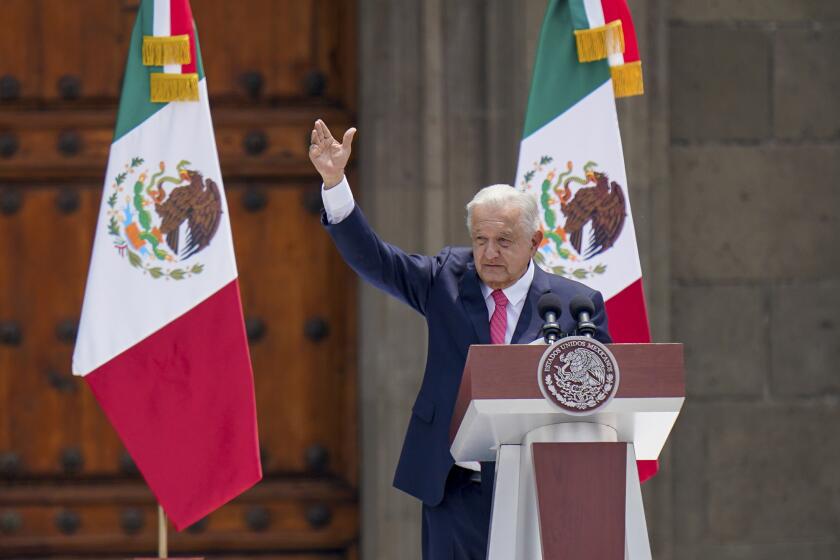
482	294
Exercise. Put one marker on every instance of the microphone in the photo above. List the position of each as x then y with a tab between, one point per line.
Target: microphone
582	310
550	306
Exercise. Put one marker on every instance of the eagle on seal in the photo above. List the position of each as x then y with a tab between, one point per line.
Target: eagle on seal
603	205
581	366
199	203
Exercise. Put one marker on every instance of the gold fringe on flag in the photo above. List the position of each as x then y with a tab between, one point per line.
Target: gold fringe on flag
627	79
159	51
173	87
599	42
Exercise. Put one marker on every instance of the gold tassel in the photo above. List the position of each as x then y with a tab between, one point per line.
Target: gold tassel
599	42
159	51
173	87
627	79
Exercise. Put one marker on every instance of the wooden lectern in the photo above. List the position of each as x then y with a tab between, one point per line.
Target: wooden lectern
566	486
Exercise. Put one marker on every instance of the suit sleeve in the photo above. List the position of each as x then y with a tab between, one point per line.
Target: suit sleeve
407	277
602	334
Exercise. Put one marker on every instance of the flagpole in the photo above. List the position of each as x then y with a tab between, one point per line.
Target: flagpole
162	546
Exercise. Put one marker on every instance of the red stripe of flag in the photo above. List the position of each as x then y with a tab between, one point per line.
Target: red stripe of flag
182	402
627	313
618	9
181	23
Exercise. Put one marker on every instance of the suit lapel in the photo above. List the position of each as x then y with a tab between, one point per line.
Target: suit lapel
530	323
473	301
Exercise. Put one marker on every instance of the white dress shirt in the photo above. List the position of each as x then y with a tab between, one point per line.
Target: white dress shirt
339	203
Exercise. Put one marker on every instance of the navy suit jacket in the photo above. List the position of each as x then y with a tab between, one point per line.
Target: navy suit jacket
446	290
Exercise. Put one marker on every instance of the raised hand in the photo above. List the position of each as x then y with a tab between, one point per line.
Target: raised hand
328	155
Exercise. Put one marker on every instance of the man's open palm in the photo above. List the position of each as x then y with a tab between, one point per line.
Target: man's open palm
328	155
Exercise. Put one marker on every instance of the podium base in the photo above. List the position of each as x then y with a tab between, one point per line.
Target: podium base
568	491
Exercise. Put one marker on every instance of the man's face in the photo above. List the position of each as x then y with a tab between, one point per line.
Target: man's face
501	248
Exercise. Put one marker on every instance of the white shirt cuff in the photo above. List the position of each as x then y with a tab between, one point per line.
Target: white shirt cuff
338	201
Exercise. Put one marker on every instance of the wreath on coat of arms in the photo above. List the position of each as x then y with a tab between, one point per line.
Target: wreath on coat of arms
591	202
157	222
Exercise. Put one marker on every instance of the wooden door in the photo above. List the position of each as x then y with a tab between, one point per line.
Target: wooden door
67	486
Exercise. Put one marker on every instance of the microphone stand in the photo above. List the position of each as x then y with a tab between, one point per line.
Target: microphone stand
585	325
551	329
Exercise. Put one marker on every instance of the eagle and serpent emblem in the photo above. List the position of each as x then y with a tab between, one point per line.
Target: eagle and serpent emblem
578	374
592	203
157	222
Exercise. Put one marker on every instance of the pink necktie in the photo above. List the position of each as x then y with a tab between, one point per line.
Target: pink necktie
498	322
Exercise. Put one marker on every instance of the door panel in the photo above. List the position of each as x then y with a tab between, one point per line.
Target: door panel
67	486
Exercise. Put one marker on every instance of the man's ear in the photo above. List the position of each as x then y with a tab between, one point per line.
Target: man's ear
536	239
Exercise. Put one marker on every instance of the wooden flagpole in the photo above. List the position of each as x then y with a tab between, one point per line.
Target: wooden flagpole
162	545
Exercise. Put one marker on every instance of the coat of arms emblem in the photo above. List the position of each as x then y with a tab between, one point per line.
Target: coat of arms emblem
582	217
159	221
578	374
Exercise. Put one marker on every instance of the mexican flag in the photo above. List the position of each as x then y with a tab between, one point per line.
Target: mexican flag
162	341
571	158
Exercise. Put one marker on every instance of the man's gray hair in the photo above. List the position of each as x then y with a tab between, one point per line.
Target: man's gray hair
501	196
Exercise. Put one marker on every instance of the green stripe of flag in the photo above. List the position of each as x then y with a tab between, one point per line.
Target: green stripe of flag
135	106
560	81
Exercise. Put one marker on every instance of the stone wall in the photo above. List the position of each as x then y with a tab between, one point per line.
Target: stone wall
754	131
732	160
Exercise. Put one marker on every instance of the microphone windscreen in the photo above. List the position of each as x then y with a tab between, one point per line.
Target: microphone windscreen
580	304
549	302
